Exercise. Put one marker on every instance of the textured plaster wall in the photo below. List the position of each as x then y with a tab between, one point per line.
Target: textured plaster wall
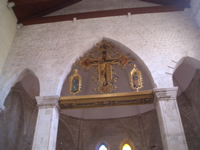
50	49
195	6
7	31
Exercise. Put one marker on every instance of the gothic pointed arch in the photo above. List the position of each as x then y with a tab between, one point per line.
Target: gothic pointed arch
102	145
187	77
184	72
123	83
88	85
20	111
126	144
16	77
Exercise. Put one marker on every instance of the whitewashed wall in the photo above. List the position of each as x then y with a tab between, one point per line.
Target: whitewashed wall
7	31
48	50
195	7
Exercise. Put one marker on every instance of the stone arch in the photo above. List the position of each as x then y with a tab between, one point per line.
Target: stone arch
20	93
131	52
17	76
187	77
116	44
187	66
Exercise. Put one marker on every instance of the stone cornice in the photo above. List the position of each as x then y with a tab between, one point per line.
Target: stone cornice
48	101
162	94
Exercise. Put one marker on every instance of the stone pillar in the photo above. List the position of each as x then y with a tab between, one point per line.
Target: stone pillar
47	123
171	128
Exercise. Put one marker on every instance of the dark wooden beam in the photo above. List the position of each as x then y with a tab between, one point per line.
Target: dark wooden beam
98	14
182	3
54	8
39	9
22	2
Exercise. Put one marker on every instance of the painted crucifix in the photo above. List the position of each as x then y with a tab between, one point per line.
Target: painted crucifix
104	63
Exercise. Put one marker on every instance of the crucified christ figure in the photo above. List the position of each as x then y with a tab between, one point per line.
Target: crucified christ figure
104	64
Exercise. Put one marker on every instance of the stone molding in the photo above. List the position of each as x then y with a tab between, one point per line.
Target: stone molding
48	102
165	94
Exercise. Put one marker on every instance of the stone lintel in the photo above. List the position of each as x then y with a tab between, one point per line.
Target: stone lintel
48	102
165	94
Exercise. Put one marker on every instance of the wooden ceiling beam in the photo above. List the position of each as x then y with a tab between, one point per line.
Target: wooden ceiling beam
36	10
22	2
183	3
98	14
55	8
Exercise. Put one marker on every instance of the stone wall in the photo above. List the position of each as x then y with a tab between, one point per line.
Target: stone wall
17	121
189	104
49	50
17	125
142	130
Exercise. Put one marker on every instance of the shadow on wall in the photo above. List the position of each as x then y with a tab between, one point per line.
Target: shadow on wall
18	120
187	78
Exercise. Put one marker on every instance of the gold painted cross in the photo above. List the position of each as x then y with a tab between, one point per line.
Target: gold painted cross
104	64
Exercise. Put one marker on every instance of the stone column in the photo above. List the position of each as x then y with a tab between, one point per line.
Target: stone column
171	128
47	123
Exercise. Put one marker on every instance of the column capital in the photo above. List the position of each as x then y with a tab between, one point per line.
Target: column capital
162	94
48	101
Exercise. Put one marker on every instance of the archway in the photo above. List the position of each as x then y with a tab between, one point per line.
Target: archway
187	78
123	85
19	117
105	124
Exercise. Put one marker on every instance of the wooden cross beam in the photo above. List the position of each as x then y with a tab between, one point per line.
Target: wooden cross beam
106	100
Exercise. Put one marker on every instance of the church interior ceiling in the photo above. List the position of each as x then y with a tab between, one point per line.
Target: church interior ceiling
34	11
